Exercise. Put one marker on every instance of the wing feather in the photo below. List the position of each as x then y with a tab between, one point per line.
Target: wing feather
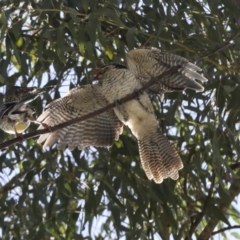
151	62
101	130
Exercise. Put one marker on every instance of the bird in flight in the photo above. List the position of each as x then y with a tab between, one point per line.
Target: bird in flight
159	159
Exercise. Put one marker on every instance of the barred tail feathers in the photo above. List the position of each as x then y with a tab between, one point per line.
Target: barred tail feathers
159	159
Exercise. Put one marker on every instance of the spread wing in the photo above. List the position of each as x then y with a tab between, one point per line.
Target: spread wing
151	62
101	130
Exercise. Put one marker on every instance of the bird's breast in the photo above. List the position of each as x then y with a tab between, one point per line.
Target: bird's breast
140	120
118	86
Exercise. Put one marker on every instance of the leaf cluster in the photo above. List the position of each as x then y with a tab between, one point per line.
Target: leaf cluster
103	193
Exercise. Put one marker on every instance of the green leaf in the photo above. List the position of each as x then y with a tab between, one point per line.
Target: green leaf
109	14
215	211
2	80
130	38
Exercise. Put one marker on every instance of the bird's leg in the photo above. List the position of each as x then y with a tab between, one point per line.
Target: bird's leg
18	134
141	100
117	103
139	92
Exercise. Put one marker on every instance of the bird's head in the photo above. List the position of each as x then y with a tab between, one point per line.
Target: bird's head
100	73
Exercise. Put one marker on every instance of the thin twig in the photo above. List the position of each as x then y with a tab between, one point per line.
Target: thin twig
234	190
225	229
199	217
112	105
90	115
10	185
149	225
218	49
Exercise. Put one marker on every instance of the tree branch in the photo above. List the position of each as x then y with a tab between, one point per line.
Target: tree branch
112	105
218	49
234	190
225	229
92	114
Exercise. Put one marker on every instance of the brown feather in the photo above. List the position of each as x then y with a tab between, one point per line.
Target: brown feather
146	63
101	130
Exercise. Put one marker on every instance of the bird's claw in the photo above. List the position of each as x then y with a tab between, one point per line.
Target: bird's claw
138	92
117	102
19	134
41	123
46	126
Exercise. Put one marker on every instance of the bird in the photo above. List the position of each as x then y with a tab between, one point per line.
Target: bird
149	62
101	131
159	159
15	113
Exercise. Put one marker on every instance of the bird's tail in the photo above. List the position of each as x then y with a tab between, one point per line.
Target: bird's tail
159	159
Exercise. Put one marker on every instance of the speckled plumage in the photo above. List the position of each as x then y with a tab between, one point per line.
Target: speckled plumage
150	62
15	114
159	159
101	130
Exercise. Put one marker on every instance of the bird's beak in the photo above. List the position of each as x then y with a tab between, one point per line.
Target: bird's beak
96	74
